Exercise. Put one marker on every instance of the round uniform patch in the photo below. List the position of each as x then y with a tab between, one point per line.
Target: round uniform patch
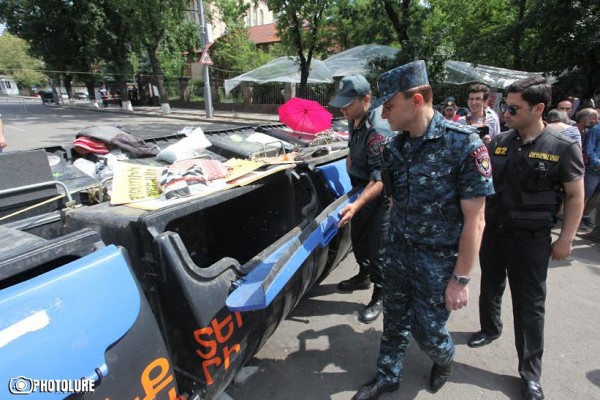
374	144
341	86
482	161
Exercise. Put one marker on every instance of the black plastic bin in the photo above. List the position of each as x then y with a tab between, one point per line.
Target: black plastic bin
189	255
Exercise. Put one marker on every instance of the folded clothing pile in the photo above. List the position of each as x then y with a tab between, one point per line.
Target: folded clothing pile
112	137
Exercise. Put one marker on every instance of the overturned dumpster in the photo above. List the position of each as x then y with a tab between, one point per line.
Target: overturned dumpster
214	274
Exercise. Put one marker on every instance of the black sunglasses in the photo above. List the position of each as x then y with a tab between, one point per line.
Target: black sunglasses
512	110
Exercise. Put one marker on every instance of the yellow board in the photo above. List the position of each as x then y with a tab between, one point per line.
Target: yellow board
134	182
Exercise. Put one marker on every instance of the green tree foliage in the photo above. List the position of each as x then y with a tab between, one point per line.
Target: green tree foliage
15	61
355	22
554	36
152	19
63	33
234	53
565	39
179	41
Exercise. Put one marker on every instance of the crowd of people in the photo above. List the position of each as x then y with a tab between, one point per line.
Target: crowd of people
447	190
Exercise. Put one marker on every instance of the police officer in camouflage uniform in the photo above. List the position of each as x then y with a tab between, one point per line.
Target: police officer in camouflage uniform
368	213
532	165
438	175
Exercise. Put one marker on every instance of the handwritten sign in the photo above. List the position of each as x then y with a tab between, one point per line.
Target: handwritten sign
134	182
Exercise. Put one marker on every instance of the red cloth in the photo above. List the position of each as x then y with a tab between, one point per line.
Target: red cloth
84	145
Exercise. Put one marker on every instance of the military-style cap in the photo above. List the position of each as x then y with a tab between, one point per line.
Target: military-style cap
349	88
401	79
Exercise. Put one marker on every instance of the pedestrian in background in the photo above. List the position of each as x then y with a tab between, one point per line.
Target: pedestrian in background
368	212
560	121
480	115
531	166
438	175
2	138
449	111
592	175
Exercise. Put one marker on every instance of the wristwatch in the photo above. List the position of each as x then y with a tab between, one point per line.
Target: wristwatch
462	280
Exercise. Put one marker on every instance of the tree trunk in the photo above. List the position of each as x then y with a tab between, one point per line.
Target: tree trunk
69	87
124	102
157	71
90	84
142	84
399	22
517	56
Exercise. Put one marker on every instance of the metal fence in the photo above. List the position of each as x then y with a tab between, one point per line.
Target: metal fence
268	93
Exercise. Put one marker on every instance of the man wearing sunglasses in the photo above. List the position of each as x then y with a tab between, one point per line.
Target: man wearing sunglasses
368	213
532	165
479	113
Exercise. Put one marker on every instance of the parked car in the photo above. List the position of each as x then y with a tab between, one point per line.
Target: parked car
81	96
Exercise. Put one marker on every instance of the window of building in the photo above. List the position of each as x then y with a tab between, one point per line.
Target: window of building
7	83
255	17
261	21
250	17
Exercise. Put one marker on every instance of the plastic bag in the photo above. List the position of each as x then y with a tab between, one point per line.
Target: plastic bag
191	146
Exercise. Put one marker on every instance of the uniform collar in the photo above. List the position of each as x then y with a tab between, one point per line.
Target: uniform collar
366	120
436	128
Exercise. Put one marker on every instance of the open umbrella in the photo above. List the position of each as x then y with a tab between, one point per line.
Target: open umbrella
306	116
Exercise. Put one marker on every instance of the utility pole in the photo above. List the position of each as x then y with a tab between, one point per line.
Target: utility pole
203	42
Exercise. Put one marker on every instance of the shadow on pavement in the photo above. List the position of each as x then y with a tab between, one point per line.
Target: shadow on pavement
594	377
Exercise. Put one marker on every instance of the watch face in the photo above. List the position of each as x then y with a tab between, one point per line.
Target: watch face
461	280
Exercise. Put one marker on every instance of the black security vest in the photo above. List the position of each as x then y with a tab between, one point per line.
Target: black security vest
526	180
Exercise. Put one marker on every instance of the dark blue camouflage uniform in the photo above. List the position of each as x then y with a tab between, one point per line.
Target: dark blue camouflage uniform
448	163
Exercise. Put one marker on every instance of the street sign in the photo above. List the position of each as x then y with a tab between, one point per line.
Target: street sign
205	58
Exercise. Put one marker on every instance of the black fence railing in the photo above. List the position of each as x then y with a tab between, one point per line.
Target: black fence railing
268	93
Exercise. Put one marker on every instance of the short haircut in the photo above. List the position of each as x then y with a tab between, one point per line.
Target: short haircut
424	91
585	114
557	116
480	87
534	90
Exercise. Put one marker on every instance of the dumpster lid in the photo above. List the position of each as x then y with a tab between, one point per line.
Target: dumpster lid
79	309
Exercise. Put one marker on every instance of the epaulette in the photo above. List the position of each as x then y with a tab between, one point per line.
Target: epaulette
464	129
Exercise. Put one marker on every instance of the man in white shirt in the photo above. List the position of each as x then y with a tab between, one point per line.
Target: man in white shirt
479	113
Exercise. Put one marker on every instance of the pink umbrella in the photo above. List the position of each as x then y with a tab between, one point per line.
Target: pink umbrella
306	116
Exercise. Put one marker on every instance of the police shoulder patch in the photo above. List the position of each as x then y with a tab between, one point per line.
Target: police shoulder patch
374	143
481	158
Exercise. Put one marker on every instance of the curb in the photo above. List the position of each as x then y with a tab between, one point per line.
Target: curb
215	118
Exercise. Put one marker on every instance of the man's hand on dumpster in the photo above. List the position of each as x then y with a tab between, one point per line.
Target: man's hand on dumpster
346	214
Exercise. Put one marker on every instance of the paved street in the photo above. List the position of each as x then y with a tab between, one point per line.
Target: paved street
322	352
30	125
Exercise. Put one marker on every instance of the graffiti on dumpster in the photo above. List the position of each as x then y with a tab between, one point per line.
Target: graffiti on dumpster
215	334
156	378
